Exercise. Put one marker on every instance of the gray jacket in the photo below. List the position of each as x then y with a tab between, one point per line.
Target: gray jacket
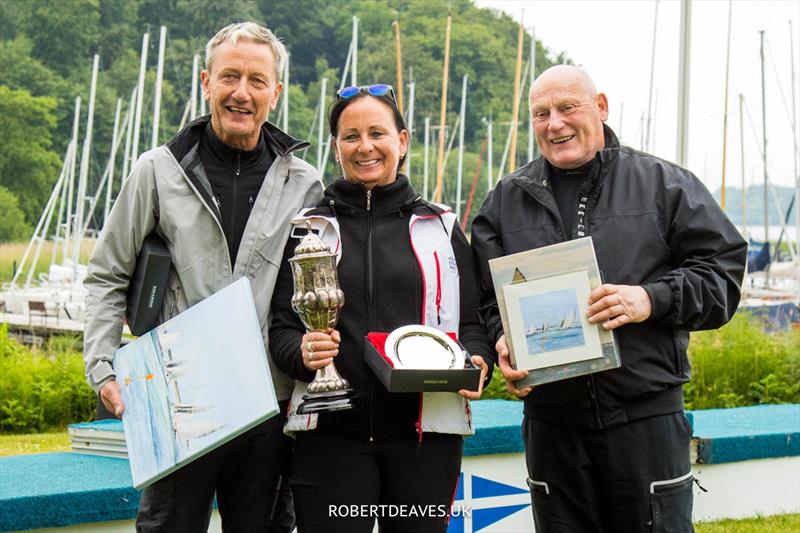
168	191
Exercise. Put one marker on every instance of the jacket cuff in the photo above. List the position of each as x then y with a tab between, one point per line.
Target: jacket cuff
661	298
101	374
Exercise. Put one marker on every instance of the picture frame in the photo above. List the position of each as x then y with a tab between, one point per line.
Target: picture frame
542	295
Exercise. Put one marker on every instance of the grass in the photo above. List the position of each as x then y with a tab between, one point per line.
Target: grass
34	443
763	524
12	252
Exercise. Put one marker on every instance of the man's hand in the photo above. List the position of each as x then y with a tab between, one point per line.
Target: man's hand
112	399
318	348
617	305
478	361
511	375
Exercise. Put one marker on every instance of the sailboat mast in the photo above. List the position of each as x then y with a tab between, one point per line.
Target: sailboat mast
84	172
126	154
462	119
794	137
137	124
321	133
354	66
512	166
193	97
425	158
398	59
725	111
437	195
162	40
741	149
684	55
489	150
111	160
647	146
410	123
764	140
533	78
285	106
70	192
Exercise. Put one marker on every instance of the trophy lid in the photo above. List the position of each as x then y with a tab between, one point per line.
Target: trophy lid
311	246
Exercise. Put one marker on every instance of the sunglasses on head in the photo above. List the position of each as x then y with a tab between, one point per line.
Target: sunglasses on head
379	89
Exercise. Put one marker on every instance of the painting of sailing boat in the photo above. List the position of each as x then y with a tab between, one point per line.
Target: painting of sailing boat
189	386
551	321
547	322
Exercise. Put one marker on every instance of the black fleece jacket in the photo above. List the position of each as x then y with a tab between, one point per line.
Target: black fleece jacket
653	224
395	300
236	177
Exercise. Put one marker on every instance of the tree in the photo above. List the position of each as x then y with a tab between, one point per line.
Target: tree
12	224
27	166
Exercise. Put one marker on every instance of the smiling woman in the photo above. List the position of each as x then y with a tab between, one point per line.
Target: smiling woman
402	261
369	135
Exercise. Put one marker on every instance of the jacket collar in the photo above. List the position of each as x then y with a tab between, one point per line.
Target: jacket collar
280	142
396	197
536	173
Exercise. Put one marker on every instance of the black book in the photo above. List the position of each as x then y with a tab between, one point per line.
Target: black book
148	285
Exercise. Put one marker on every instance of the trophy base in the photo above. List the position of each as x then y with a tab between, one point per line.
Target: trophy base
325	402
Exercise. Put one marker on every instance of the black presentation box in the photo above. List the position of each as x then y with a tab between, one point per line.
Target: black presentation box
413	380
148	285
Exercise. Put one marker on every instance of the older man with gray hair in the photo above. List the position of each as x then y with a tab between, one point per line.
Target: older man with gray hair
610	451
221	194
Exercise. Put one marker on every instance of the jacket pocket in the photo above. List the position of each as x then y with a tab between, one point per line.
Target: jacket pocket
679	346
671	505
174	299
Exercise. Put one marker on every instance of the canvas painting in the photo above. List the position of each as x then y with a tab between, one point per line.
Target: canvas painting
194	383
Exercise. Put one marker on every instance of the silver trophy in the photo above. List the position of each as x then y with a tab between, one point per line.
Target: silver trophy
318	301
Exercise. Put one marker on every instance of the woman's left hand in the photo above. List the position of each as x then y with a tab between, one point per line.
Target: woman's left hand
477	360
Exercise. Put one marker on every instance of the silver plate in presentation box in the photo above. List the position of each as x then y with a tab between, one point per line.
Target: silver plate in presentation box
423	348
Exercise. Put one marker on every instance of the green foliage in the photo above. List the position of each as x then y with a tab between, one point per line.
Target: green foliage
497	388
41	390
46	49
27	166
736	365
12	224
739	364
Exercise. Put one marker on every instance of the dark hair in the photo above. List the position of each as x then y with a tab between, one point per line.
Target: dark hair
340	104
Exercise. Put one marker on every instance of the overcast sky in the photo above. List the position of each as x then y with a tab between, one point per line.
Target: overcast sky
613	40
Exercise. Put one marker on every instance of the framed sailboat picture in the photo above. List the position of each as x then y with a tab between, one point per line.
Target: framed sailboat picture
543	298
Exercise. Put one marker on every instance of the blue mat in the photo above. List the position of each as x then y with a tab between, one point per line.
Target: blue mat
757	432
497	428
60	489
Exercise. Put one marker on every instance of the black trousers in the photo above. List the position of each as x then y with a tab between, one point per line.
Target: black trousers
244	473
631	478
344	485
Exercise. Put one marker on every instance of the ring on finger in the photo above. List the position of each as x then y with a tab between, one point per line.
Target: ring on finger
311	355
310	347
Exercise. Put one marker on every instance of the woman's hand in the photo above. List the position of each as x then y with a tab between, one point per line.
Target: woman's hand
478	361
318	348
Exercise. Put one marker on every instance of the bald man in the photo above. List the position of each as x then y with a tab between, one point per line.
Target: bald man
610	451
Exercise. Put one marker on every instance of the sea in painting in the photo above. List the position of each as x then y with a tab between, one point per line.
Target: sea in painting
551	321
